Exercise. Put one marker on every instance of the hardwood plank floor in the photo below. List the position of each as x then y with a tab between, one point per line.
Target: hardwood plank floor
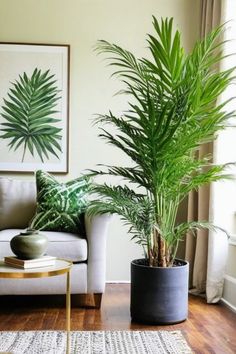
209	328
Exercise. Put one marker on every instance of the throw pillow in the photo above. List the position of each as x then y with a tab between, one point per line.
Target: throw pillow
59	205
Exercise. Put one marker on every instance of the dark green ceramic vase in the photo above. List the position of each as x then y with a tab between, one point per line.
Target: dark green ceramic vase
29	244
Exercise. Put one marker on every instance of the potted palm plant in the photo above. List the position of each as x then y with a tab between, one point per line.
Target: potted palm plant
172	111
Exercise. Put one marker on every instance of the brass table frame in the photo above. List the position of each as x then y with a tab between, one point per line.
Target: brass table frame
44	272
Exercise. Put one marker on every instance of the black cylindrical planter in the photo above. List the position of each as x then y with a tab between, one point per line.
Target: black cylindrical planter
159	295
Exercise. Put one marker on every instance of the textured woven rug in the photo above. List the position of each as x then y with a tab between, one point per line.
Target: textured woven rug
94	342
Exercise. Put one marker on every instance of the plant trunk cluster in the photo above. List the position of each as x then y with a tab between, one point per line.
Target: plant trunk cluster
159	254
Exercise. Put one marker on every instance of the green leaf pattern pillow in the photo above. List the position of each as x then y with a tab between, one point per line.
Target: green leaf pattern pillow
59	205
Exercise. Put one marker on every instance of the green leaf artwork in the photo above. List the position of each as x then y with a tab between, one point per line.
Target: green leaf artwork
29	115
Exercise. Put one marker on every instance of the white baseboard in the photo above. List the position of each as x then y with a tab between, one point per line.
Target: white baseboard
229	293
117	281
232	240
230	278
228	304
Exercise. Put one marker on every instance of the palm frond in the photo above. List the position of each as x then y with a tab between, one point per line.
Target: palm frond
136	210
29	115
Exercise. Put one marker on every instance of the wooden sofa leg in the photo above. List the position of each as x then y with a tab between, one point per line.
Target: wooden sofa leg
97	300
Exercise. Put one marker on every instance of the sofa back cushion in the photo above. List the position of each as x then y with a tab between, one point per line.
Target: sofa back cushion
17	203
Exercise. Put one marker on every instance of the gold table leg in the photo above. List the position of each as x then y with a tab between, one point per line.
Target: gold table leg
68	311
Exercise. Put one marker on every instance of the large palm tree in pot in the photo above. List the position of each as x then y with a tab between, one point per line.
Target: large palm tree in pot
172	111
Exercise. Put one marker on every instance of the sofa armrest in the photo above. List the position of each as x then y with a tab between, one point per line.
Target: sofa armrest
96	232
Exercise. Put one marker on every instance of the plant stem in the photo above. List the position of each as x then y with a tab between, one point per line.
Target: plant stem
161	251
161	244
24	152
174	253
154	251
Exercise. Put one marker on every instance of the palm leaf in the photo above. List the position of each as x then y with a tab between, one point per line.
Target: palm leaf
135	209
29	115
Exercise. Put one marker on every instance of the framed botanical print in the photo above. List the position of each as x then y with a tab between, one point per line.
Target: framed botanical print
34	107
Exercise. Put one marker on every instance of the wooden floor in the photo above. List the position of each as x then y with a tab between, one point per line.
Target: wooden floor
209	328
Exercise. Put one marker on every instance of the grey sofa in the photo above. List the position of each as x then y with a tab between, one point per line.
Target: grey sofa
88	253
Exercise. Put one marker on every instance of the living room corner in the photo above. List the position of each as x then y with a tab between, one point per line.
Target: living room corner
83	300
91	92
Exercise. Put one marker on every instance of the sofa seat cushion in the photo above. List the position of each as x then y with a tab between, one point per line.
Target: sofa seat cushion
61	244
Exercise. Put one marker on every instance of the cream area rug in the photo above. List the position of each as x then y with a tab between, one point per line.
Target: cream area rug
94	342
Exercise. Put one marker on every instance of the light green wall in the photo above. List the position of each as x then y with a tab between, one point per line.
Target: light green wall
80	23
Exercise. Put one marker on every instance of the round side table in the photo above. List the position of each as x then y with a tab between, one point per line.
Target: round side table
60	267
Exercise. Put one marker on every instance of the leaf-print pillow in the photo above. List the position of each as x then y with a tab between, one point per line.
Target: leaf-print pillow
60	205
